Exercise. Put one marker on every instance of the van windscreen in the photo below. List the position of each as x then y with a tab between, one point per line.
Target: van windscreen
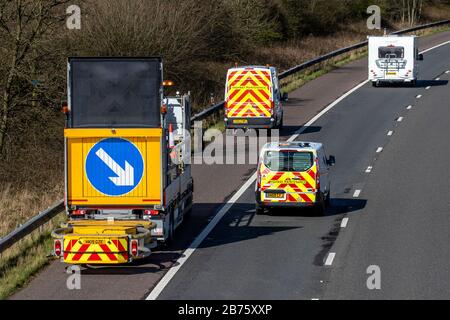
391	52
288	161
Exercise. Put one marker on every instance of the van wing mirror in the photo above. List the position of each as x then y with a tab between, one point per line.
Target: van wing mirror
420	57
331	161
285	97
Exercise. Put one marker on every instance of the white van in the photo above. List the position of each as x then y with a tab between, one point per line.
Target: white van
293	174
393	59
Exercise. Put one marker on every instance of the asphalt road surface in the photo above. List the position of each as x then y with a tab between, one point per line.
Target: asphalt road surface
397	214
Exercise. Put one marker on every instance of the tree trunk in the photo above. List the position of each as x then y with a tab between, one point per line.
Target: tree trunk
6	104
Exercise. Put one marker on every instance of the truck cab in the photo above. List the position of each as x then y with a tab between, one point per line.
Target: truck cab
253	98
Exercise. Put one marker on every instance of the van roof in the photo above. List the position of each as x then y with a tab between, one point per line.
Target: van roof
278	146
252	67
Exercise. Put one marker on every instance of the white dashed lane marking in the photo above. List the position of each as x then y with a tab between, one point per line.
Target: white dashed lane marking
357	193
379	150
330	259
390	133
369	169
344	223
400	119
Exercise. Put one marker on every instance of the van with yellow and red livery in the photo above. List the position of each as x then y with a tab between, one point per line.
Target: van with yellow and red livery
293	174
253	98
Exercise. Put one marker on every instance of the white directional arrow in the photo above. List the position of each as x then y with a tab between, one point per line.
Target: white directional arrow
125	177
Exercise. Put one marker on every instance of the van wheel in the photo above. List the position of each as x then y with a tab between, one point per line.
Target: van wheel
375	84
321	206
328	199
259	210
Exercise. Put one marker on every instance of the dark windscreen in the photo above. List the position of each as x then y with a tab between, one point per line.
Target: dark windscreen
391	52
288	161
115	93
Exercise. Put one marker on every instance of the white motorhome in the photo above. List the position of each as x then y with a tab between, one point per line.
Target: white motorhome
393	59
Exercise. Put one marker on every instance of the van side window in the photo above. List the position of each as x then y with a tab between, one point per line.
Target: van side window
275	86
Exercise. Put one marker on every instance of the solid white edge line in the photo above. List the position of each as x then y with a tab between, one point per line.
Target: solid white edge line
330	259
196	243
344	222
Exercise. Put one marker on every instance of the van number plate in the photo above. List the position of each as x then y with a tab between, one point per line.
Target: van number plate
275	195
242	121
391	73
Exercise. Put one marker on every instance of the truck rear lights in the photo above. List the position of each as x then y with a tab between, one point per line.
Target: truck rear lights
79	212
57	247
134	247
151	212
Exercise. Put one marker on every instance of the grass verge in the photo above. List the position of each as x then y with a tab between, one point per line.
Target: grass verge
26	258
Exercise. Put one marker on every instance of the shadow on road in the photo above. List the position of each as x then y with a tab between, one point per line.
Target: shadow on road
239	224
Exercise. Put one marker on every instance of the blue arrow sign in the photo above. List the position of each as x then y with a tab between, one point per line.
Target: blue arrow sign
114	167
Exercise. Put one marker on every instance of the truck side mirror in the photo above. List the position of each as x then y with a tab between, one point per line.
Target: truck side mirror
420	57
331	161
285	97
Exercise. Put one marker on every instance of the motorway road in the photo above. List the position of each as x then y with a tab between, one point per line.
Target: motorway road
282	256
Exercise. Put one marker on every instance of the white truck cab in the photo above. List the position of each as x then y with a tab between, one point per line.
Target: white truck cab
393	59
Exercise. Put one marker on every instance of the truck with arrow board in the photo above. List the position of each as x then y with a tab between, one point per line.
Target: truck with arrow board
128	182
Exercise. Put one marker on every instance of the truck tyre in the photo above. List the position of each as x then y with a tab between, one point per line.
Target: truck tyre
169	239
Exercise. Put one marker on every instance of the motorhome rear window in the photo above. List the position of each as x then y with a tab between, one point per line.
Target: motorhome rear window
391	52
115	92
288	161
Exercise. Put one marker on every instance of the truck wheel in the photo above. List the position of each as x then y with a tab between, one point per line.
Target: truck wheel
281	122
169	239
375	84
189	202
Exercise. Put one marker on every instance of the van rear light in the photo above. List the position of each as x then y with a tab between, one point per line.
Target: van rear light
57	247
151	212
134	247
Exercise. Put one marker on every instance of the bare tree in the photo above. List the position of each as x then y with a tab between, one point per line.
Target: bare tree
23	23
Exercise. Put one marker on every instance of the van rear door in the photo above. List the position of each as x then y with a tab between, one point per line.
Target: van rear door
249	93
289	176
